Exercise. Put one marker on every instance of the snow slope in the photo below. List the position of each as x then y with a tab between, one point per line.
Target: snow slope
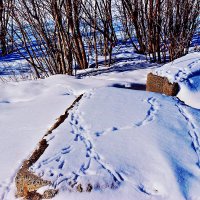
139	144
27	110
127	144
185	71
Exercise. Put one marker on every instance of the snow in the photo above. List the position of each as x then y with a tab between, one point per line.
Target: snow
181	68
27	110
14	64
126	143
190	91
185	71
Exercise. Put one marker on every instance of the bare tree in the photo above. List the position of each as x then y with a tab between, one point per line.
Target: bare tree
56	36
50	32
98	15
5	9
162	26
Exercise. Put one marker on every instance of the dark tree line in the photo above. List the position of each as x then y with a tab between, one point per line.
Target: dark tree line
56	36
5	11
162	26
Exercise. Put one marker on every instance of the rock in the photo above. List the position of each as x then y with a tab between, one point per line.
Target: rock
161	85
38	152
27	182
48	194
33	196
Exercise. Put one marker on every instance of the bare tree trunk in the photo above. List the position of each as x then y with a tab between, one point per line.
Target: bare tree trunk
3	30
95	35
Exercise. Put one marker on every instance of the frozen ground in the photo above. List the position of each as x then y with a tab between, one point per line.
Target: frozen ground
125	143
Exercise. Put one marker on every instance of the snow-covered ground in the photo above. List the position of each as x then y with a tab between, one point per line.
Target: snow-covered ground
185	71
29	108
128	144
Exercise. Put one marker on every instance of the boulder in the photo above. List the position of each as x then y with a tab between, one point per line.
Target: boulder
49	194
162	85
26	182
33	196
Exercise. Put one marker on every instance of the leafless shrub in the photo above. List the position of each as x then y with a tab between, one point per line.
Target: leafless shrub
161	26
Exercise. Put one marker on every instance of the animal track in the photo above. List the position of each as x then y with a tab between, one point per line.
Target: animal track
151	113
193	132
150	116
58	157
55	164
184	73
82	133
113	129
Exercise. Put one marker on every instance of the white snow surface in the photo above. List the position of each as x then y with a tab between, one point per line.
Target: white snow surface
27	110
128	144
181	68
185	71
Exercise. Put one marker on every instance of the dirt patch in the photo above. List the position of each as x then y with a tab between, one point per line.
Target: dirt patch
62	118
28	183
161	85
